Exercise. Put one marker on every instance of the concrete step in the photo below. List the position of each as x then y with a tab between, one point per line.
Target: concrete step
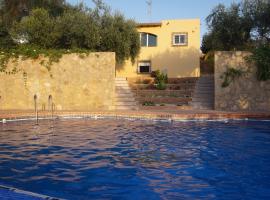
202	108
199	99
125	103
205	81
125	99
120	78
205	84
127	108
204	93
205	90
203	96
117	89
121	84
124	95
206	77
121	81
210	86
126	87
201	103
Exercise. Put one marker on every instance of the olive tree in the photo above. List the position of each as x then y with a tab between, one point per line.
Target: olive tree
240	26
37	29
77	30
75	27
119	35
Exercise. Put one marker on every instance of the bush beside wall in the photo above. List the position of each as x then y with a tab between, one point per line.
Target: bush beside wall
244	93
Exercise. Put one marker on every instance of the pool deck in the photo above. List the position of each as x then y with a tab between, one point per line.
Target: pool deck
146	113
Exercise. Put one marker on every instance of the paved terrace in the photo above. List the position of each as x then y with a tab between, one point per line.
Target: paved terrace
154	113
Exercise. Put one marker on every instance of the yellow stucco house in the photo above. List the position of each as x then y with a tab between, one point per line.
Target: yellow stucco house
171	46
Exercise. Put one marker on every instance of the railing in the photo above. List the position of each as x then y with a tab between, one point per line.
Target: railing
51	106
36	109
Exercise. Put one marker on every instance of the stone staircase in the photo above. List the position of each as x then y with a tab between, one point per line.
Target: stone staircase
124	98
203	97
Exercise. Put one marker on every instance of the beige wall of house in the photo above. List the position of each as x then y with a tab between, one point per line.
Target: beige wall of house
245	93
176	61
75	83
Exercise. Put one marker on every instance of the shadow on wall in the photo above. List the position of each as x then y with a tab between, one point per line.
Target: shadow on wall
176	63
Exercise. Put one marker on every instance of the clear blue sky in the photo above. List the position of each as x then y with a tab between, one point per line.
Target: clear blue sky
163	9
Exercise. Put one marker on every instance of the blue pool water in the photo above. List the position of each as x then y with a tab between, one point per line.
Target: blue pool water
110	159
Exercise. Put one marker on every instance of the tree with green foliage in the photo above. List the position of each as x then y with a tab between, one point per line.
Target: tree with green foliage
15	10
243	26
37	29
261	57
77	30
238	27
6	40
257	12
227	29
119	35
11	11
55	25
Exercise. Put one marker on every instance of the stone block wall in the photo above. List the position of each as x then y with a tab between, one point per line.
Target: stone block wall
75	83
245	93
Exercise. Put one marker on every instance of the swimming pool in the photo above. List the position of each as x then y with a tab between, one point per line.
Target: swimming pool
121	159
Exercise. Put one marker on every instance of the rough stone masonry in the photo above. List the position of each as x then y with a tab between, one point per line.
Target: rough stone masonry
74	83
245	93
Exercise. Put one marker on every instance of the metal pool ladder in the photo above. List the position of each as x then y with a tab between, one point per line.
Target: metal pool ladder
36	109
51	105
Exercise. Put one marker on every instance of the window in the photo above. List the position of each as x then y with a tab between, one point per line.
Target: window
180	39
143	39
148	40
144	67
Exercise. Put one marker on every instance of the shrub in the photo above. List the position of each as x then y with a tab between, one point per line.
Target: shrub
261	57
161	79
230	75
148	103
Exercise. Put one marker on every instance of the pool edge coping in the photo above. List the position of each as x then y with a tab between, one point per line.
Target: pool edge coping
28	193
163	116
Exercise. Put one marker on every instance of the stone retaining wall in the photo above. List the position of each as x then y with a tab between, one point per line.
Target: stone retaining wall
243	94
74	83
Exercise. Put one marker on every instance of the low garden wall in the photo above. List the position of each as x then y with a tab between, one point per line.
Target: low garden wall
245	92
178	91
76	82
